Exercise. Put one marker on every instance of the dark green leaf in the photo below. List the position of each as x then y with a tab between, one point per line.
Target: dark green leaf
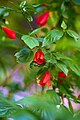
62	67
61	56
70	105
42	71
30	41
52	36
24	55
50	58
73	34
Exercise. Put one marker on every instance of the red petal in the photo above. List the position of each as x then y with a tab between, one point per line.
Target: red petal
78	96
39	57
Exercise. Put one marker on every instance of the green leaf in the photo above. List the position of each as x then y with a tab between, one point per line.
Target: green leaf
28	17
25	115
25	7
61	56
74	67
30	41
52	36
5	11
40	104
35	31
73	34
50	58
63	25
64	10
70	105
55	97
24	55
26	10
62	67
7	108
42	71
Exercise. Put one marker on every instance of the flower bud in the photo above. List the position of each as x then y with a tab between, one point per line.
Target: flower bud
42	19
9	32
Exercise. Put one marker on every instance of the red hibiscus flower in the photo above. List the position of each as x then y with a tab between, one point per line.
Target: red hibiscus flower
61	75
45	79
9	32
42	19
39	57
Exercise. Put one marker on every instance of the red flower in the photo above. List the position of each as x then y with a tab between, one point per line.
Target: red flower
39	57
45	79
61	81
10	33
61	75
42	19
78	96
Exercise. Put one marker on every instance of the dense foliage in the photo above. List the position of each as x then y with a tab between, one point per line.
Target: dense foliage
40	47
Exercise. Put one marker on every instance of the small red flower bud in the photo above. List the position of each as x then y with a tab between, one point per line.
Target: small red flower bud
61	81
61	75
78	96
42	19
10	33
39	57
45	79
43	4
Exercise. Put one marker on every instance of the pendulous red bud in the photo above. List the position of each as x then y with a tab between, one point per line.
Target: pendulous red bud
42	19
9	32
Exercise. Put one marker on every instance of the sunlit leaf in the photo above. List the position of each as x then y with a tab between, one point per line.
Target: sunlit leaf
35	31
52	36
30	41
63	25
73	34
